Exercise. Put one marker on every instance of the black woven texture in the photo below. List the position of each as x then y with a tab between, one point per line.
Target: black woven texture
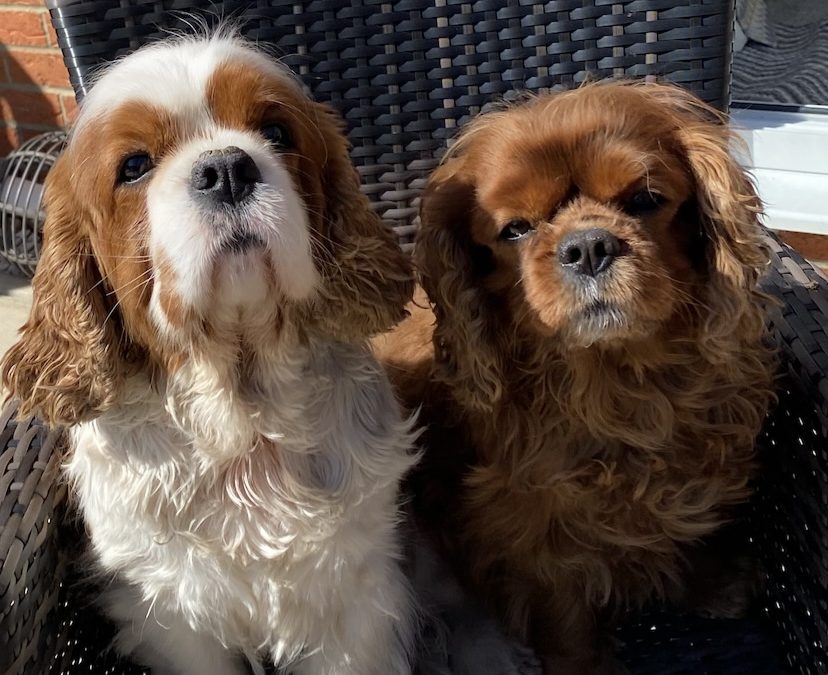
663	643
32	557
405	74
790	508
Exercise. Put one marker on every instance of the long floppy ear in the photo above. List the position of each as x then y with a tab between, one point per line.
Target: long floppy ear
367	278
727	201
734	333
465	337
729	210
728	205
64	368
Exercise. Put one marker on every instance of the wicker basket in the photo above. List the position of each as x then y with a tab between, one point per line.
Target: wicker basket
406	74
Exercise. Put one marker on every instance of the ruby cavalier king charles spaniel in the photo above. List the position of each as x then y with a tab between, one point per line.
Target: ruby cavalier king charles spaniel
210	276
591	360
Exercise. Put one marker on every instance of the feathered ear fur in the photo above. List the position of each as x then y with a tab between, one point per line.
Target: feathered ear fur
367	279
729	210
65	367
465	335
728	203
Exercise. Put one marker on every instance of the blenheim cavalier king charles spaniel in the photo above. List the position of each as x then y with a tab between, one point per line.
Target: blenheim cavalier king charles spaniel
594	372
210	276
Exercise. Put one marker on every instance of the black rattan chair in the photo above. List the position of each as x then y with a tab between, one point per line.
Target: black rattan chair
405	74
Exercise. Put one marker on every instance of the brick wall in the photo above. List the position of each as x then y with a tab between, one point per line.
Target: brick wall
35	95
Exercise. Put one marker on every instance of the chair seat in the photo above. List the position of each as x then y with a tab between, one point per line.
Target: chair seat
655	643
665	643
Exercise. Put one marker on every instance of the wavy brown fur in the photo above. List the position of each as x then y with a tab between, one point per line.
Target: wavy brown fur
367	278
587	460
68	364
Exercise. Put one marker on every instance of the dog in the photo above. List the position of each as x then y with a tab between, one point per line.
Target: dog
210	275
589	355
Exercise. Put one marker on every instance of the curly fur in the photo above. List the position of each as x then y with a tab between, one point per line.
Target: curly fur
65	370
368	278
236	451
590	454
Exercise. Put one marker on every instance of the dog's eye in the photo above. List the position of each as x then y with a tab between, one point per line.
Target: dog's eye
643	202
134	167
516	229
278	135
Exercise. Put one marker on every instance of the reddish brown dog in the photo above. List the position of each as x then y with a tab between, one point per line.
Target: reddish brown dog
592	369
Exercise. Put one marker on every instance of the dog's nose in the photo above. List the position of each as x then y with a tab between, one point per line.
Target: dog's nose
588	252
224	176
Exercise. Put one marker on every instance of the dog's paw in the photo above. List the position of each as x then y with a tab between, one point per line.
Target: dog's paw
728	594
563	665
730	601
481	647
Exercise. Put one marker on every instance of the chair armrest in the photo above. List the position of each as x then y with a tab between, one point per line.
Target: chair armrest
32	499
790	508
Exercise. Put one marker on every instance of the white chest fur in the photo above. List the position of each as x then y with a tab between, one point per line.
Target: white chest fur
259	512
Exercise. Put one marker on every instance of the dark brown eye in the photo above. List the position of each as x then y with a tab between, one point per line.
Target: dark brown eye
643	202
278	135
516	229
135	167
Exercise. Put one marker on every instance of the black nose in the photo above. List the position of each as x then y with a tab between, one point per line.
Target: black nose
588	252
224	176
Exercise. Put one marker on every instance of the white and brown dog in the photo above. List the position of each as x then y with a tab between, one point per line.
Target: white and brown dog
210	275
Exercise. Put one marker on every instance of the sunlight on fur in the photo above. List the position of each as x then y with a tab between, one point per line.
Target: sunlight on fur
210	275
590	355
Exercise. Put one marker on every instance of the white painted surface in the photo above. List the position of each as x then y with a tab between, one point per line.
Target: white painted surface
788	155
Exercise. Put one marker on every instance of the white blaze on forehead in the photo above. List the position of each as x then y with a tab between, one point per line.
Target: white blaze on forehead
173	75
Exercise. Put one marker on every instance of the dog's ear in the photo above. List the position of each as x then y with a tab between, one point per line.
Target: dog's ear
367	278
728	205
728	209
465	337
65	366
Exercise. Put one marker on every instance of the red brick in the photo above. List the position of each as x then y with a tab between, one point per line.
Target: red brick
31	3
50	31
30	107
70	108
811	246
22	28
8	140
40	68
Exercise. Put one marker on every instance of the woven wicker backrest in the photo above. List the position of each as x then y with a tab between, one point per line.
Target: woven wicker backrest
406	73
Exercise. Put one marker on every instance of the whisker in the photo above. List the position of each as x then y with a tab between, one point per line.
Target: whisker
123	297
124	286
105	278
